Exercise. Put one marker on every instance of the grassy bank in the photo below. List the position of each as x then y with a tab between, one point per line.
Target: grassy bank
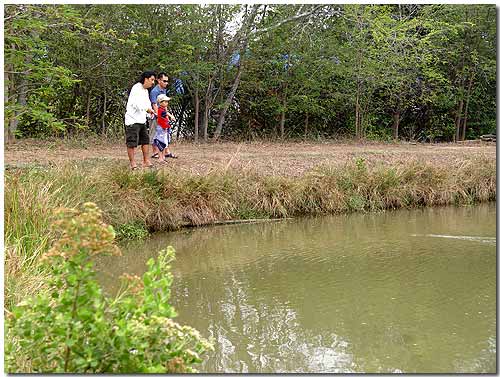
157	200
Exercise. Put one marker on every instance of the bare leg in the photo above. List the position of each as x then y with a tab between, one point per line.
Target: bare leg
131	157
168	153
145	155
165	150
155	150
162	156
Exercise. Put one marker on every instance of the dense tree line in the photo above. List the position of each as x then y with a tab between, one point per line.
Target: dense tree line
419	72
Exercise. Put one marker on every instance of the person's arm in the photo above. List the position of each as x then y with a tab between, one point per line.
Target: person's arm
153	96
171	116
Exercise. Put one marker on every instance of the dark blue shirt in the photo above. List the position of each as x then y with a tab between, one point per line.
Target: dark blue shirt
155	92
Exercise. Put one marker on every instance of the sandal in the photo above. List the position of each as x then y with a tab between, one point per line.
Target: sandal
155	156
134	168
171	155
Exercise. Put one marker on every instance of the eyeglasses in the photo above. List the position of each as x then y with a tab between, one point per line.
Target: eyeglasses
165	81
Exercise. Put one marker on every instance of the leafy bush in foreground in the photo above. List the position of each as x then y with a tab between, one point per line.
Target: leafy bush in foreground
74	328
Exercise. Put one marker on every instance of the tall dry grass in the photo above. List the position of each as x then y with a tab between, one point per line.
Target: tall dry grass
166	199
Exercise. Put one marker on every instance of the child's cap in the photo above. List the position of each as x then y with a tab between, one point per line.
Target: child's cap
162	97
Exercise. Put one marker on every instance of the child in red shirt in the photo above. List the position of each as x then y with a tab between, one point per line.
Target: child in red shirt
161	140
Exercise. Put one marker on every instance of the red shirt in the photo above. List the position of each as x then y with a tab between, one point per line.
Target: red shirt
163	120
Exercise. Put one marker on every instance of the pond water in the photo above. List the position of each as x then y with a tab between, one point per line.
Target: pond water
399	291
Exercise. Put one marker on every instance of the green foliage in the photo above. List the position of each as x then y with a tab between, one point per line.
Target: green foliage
33	78
305	70
135	230
74	328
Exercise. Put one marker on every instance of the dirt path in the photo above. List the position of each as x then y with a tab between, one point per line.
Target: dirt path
269	158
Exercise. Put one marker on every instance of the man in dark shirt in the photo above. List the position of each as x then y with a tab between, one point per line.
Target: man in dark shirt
160	88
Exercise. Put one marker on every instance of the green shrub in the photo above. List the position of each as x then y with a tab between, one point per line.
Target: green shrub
74	328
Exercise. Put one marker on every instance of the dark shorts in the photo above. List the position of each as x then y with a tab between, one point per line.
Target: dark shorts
152	129
161	146
136	134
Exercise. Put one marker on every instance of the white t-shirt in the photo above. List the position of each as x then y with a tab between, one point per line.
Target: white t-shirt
137	104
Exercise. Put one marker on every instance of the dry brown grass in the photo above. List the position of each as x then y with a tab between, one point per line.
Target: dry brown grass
281	159
22	278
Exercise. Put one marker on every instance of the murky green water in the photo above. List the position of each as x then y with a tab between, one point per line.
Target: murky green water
404	291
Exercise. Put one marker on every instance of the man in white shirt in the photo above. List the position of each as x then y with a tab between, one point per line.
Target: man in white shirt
138	108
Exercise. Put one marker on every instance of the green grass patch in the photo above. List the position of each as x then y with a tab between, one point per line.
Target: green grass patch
135	230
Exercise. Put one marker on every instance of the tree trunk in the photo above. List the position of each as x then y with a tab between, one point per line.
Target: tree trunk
12	127
87	118
246	27
458	120
306	125
14	121
181	118
282	124
206	114
23	90
21	95
358	69
283	114
285	99
6	82
209	100
196	114
358	115
395	125
228	102
464	123
103	121
249	129
8	90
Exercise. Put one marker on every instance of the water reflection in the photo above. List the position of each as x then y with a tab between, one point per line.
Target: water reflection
466	238
357	293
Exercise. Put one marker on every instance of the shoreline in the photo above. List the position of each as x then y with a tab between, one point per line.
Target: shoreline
153	200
